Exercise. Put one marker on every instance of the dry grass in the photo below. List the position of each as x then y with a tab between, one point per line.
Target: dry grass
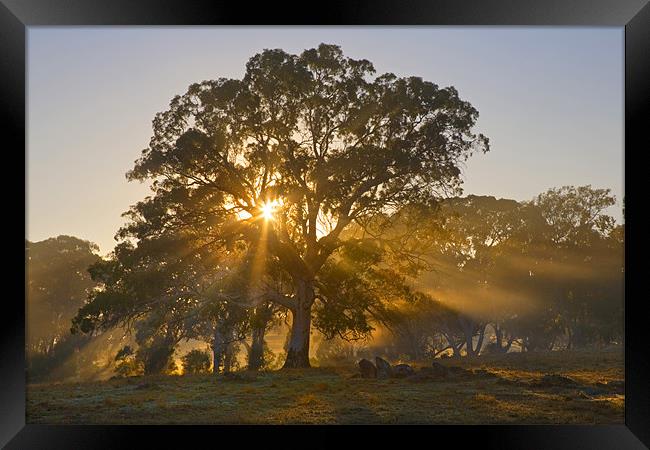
331	396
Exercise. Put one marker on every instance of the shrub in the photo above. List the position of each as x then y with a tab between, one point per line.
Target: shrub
126	364
196	361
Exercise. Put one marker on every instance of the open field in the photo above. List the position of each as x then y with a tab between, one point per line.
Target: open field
512	391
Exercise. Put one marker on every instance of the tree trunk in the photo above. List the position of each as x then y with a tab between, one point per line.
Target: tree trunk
455	347
218	349
256	355
499	337
298	351
479	344
229	356
469	328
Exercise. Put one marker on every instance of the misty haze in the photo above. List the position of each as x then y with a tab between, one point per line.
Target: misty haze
330	226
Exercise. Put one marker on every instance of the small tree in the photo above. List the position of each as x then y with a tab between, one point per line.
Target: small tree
127	364
196	362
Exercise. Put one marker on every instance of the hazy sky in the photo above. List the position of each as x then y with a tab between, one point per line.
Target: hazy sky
550	100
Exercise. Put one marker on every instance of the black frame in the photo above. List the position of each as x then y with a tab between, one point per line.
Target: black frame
634	15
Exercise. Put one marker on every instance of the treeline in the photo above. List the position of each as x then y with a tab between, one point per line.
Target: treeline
58	283
541	275
489	275
509	276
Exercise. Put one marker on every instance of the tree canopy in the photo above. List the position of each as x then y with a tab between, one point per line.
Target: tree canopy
295	166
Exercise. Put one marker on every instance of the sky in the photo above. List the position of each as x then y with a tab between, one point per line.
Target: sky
549	98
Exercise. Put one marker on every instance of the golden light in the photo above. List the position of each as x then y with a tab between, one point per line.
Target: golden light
268	208
243	215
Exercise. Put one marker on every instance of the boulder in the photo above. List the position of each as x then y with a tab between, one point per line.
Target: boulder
402	371
384	370
368	369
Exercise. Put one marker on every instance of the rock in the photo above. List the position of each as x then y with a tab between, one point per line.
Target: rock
368	369
384	370
402	371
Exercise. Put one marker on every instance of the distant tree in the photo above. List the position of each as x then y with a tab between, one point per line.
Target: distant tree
576	215
167	293
57	285
337	352
261	321
155	349
291	156
468	269
587	261
424	328
196	362
534	271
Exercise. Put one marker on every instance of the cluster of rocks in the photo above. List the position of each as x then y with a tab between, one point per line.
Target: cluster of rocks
383	369
437	371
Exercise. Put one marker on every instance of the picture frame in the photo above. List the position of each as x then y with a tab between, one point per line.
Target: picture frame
634	15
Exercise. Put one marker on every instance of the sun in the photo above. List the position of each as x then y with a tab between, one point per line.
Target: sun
268	209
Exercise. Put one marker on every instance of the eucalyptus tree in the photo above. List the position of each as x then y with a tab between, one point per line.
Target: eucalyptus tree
587	261
291	156
57	283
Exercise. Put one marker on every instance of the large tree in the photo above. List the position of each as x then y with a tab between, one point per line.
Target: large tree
290	158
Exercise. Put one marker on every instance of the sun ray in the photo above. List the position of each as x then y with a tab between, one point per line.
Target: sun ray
268	209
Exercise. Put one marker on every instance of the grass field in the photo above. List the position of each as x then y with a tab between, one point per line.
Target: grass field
514	390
